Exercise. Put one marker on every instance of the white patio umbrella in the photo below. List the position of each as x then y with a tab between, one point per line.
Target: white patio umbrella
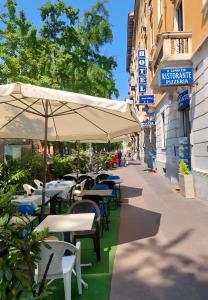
28	111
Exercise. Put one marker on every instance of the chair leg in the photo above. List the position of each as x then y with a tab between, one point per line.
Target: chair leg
67	285
79	274
106	221
95	244
98	247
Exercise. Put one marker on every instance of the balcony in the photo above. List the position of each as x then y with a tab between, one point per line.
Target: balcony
132	83
132	95
174	49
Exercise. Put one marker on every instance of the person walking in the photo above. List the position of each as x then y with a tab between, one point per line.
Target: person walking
119	157
153	156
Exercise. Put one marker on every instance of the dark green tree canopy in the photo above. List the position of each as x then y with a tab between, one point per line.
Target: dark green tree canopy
64	53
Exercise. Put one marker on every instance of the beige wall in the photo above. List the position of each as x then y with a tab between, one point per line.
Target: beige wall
195	21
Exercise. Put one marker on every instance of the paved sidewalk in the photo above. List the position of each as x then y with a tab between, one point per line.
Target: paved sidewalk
162	252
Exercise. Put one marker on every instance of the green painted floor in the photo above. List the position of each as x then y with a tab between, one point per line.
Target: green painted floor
99	275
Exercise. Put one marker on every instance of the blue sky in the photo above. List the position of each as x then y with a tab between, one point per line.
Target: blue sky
119	10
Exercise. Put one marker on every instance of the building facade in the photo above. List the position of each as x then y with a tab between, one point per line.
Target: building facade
175	36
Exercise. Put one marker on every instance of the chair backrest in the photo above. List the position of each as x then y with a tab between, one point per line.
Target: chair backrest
95	198
38	183
81	186
58	249
109	183
28	188
101	177
89	181
85	206
69	178
71	193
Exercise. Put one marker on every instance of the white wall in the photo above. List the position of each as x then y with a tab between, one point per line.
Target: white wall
199	122
167	157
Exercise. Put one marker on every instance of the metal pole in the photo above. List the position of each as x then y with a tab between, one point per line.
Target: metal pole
44	161
90	153
78	160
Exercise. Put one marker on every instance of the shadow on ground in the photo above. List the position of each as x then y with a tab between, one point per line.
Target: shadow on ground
143	224
131	192
161	272
135	163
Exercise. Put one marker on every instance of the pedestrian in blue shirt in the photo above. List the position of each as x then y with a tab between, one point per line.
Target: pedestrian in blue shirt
153	156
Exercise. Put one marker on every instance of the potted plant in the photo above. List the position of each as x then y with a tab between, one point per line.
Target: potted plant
185	181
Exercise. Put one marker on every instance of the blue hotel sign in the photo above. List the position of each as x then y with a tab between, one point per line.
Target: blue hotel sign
176	76
148	123
146	99
142	71
183	100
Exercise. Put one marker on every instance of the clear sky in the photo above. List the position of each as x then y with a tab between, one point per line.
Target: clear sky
119	10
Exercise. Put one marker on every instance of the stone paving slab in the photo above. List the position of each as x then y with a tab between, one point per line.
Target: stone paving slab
162	252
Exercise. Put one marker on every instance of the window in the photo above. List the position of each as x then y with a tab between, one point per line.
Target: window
185	128
179	16
163	140
159	10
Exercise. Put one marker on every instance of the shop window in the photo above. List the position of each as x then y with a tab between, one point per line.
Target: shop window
185	123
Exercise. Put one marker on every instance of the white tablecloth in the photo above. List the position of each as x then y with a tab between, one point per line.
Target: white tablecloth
56	183
36	199
58	189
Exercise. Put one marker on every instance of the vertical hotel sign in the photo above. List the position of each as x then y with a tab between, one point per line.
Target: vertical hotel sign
142	71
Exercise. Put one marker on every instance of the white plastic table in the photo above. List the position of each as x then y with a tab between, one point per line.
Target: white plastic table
53	190
22	220
36	199
67	223
55	183
103	193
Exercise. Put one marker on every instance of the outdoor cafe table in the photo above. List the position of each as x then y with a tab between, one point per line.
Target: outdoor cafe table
67	223
103	193
36	199
58	189
22	220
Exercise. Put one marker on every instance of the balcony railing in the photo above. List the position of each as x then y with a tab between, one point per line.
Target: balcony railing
172	46
173	50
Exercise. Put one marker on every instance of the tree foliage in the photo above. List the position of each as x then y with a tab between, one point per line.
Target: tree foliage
64	53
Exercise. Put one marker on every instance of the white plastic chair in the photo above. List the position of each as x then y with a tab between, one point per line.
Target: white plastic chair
79	187
38	183
28	188
61	266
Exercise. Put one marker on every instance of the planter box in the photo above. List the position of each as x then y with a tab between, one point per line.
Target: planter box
186	186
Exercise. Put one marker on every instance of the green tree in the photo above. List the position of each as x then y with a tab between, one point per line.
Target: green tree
64	53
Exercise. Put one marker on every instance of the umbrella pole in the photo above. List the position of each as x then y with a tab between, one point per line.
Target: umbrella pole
44	161
78	160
